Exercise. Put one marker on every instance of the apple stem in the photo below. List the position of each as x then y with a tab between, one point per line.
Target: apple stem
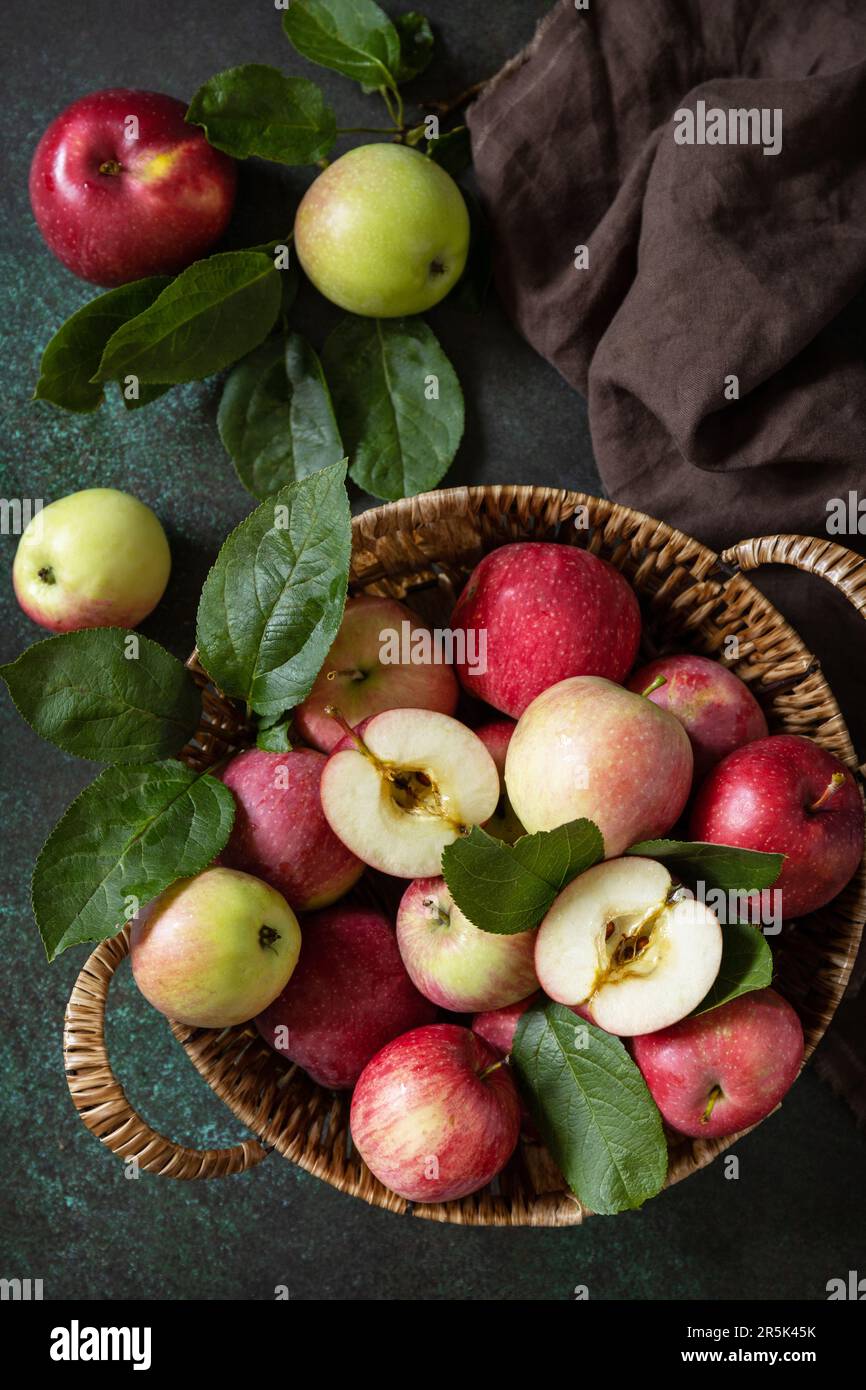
333	713
829	791
494	1066
714	1095
112	167
654	685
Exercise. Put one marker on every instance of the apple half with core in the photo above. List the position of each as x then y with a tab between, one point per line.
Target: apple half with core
123	188
717	710
360	683
97	558
383	232
435	1115
454	963
639	951
214	950
404	785
726	1069
587	747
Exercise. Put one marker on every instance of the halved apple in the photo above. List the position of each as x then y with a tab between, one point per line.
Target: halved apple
634	947
405	784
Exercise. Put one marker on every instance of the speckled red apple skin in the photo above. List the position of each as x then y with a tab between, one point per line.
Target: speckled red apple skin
549	611
426	1122
280	832
349	996
751	1048
717	710
759	798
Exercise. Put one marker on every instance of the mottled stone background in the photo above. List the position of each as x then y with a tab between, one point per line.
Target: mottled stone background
796	1216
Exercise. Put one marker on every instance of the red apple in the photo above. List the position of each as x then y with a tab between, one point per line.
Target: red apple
726	1069
717	710
435	1114
498	1026
546	612
361	679
348	997
786	795
122	187
280	832
503	824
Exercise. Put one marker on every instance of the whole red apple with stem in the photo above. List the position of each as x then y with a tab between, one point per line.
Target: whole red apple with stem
547	612
724	1070
787	795
122	187
435	1114
717	710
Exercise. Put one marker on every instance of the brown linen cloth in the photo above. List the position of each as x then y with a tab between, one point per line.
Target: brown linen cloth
704	261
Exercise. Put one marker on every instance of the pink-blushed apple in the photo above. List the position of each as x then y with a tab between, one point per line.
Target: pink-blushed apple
383	232
97	558
498	1026
548	612
622	939
405	784
435	1114
587	747
360	679
214	950
349	996
454	963
717	710
122	187
726	1069
503	824
787	795
280	832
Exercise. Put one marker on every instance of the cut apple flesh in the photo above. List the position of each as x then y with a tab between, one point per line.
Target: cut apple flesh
624	941
408	786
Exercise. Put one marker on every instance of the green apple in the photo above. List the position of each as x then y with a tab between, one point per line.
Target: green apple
215	950
383	231
97	558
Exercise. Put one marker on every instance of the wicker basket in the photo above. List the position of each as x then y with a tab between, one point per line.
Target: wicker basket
421	550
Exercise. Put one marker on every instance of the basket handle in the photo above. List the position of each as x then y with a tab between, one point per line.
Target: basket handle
844	569
100	1099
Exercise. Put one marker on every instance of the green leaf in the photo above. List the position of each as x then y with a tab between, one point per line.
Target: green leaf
276	737
130	834
592	1107
276	419
272	604
256	110
217	311
747	964
352	37
71	359
83	692
508	888
416	45
381	372
718	866
452	151
146	395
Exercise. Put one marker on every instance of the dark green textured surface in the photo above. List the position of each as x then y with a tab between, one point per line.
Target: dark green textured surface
793	1220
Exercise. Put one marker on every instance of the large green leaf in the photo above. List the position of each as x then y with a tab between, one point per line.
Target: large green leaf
272	604
398	402
747	964
724	867
352	37
256	110
107	694
129	835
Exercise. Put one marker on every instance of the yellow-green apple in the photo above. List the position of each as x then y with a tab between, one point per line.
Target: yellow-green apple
726	1069
405	784
361	678
717	710
348	997
587	747
435	1114
622	939
97	558
548	612
454	963
383	232
786	795
122	187
503	824
280	833
214	950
